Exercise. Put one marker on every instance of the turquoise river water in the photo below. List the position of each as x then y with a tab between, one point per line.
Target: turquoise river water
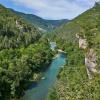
40	90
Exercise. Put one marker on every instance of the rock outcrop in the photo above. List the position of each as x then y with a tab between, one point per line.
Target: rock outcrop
82	43
19	26
91	63
90	57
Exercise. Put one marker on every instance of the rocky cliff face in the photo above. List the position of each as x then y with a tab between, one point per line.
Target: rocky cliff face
91	63
90	57
82	42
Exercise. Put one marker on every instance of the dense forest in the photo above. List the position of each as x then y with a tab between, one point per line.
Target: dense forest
73	80
23	54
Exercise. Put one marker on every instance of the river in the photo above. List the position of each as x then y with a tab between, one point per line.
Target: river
40	90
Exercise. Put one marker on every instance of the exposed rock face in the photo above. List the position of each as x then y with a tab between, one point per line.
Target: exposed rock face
91	63
77	36
18	25
41	29
53	45
90	58
82	43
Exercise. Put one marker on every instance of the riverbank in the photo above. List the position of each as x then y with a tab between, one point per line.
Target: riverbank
40	90
55	56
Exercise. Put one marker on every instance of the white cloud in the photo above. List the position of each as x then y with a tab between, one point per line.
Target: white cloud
56	9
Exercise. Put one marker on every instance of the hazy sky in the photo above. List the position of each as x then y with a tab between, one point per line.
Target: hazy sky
51	9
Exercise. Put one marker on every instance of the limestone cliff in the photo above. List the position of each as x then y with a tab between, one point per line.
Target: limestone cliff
90	57
91	63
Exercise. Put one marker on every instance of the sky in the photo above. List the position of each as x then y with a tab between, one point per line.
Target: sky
50	9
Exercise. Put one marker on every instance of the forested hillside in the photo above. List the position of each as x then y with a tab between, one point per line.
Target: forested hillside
23	54
80	77
43	24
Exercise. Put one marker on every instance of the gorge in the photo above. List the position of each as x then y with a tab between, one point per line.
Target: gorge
44	59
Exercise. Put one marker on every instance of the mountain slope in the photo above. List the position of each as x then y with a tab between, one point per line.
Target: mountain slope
42	24
79	79
14	30
23	55
86	21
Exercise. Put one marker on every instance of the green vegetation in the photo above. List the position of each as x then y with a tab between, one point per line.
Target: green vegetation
73	82
23	55
14	31
43	24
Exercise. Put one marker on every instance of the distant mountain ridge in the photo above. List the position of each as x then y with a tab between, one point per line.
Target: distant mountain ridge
42	24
